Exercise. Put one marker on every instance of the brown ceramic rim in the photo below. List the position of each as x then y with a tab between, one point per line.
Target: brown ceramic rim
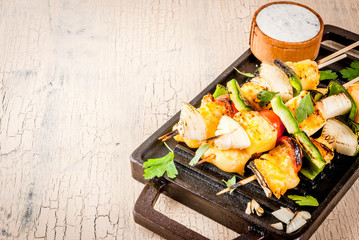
282	44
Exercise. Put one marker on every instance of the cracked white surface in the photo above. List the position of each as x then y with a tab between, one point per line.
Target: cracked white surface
84	82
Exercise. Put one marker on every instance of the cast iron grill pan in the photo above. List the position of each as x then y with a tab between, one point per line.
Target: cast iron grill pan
196	187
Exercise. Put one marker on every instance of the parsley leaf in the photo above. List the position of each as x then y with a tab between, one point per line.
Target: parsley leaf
230	183
200	151
351	72
244	74
305	108
327	75
304	200
265	97
355	64
158	166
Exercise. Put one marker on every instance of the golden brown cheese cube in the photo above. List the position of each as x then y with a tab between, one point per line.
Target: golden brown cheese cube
324	147
277	168
263	135
232	160
312	123
250	91
308	73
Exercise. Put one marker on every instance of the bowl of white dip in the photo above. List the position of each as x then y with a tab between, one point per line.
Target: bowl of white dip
287	31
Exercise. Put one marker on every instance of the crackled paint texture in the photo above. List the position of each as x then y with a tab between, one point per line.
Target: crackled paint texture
84	82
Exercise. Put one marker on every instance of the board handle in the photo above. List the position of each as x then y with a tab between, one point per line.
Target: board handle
145	215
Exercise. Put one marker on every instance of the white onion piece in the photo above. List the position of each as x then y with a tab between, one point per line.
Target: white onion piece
233	135
249	208
262	82
252	207
283	214
341	137
299	220
336	105
304	214
191	124
277	79
296	223
278	225
255	206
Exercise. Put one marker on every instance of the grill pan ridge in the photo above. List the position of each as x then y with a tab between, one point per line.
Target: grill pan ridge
196	187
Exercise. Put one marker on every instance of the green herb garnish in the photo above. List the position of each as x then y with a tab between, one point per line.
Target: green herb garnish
200	151
230	183
244	74
304	200
220	90
158	166
328	75
305	108
265	97
351	72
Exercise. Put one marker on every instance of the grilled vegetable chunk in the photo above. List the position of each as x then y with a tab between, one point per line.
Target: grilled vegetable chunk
285	115
335	105
232	160
236	96
312	123
308	73
191	124
262	134
293	78
250	91
231	135
315	162
324	147
334	88
279	167
275	80
353	90
212	112
342	138
275	121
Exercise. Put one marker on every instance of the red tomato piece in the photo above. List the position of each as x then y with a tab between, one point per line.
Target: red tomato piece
234	109
295	151
226	97
226	100
274	120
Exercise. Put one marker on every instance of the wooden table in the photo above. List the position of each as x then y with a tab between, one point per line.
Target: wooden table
83	83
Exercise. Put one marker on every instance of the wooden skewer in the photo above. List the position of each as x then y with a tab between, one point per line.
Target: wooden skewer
333	60
351	82
213	138
218	136
238	184
337	53
205	159
167	136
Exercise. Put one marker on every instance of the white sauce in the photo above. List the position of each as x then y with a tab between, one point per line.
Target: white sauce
288	22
